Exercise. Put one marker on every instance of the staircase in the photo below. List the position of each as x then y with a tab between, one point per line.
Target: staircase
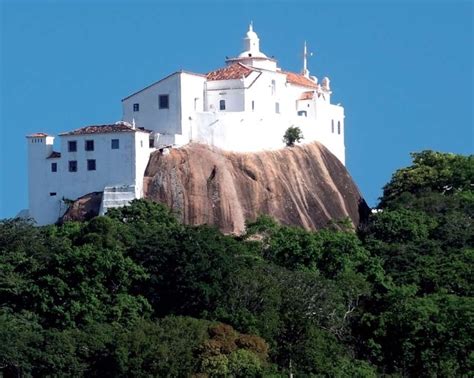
117	196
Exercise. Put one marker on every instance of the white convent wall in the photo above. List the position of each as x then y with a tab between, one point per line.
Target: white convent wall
114	167
185	93
41	206
149	115
244	132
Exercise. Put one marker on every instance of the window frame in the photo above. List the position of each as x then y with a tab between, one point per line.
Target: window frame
88	143
71	143
91	165
117	147
222	105
162	104
72	166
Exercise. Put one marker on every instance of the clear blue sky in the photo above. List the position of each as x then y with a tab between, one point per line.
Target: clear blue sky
403	70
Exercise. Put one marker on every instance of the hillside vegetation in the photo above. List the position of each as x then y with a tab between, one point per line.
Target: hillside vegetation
137	293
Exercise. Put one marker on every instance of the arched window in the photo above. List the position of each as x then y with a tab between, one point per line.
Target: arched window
222	105
339	127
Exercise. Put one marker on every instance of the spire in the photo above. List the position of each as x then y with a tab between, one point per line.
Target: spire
305	60
251	26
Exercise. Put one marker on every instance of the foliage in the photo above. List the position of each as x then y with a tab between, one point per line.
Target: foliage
67	284
292	135
229	353
431	171
421	323
136	293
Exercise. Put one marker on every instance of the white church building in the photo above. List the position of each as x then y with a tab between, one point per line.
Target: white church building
246	106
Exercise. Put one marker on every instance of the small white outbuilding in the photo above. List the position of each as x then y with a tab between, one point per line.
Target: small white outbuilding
104	158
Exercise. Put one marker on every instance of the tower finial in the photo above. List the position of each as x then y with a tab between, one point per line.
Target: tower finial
305	60
251	26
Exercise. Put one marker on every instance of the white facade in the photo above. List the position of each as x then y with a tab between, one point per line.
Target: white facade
92	159
246	106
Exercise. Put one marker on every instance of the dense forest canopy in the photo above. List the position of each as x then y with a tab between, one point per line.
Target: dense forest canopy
136	293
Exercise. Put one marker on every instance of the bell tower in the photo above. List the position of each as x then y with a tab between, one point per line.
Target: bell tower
252	42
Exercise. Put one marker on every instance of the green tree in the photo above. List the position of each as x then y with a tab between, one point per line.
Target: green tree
419	322
431	171
292	135
65	284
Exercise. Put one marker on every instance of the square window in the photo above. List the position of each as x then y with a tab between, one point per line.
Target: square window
115	144
89	145
72	166
136	107
164	102
54	167
91	164
72	146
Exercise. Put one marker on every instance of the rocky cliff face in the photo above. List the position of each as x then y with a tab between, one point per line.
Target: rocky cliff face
83	208
302	185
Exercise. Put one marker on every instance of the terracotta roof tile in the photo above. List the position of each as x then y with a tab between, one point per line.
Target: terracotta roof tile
54	155
307	95
299	79
119	127
37	135
234	71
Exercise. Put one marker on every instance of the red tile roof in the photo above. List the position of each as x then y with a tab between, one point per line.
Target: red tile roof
119	127
54	155
234	71
299	79
37	135
307	95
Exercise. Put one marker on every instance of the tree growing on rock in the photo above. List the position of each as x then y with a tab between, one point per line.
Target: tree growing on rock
292	135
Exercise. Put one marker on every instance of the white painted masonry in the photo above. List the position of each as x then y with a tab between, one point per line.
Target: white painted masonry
245	106
56	178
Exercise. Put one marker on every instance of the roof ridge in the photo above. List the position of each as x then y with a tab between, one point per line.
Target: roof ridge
105	129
